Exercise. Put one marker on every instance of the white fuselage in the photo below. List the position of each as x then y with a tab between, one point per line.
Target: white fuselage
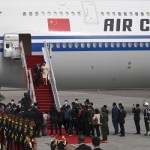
106	45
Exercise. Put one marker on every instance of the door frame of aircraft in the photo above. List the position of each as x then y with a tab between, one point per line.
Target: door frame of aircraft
26	39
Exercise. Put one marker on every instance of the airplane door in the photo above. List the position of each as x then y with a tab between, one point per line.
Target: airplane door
89	12
26	39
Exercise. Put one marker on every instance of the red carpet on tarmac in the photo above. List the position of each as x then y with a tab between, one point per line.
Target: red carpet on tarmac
73	139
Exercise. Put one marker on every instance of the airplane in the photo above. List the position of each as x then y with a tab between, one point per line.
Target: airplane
95	44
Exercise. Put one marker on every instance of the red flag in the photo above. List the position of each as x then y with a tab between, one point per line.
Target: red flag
58	24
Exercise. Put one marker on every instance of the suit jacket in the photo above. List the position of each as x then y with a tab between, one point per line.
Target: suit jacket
37	70
83	147
122	115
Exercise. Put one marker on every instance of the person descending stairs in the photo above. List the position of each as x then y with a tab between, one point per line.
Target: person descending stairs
43	93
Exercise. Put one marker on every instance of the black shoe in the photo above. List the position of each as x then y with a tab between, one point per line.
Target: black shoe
115	133
138	133
122	135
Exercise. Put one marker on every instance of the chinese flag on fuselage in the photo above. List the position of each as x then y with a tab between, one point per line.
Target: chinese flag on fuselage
58	24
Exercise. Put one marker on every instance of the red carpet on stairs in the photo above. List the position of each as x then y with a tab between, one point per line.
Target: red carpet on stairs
74	138
44	95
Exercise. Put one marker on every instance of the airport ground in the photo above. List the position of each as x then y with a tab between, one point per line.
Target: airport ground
127	97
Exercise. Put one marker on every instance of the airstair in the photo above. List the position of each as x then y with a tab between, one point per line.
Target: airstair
45	96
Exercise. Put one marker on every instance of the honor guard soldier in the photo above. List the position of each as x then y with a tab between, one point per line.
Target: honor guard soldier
54	144
3	136
31	133
62	145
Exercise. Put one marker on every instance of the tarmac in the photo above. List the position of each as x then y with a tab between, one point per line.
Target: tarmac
99	98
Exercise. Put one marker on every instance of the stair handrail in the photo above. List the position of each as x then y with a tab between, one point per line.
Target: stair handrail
31	86
28	75
24	64
46	53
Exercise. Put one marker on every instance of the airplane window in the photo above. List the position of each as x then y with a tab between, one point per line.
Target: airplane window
64	45
141	44
78	13
108	13
55	13
130	44
102	13
112	44
24	14
118	44
119	13
135	44
100	44
70	45
43	13
88	45
72	13
48	13
142	14
61	13
125	13
136	13
82	45
147	44
94	45
124	44
147	13
36	13
131	14
30	13
67	13
106	45
76	45
58	45
113	13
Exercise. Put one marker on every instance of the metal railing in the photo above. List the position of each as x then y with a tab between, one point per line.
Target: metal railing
27	75
31	86
47	54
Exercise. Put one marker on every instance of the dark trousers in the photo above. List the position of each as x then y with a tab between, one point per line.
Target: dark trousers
37	79
86	130
75	124
122	130
92	129
60	127
115	124
104	130
146	124
137	125
53	124
66	124
97	130
38	128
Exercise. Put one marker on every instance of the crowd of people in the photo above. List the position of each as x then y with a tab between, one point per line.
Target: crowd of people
77	118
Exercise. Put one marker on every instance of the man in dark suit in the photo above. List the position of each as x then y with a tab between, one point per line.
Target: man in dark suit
82	145
115	112
136	110
122	115
37	71
96	143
